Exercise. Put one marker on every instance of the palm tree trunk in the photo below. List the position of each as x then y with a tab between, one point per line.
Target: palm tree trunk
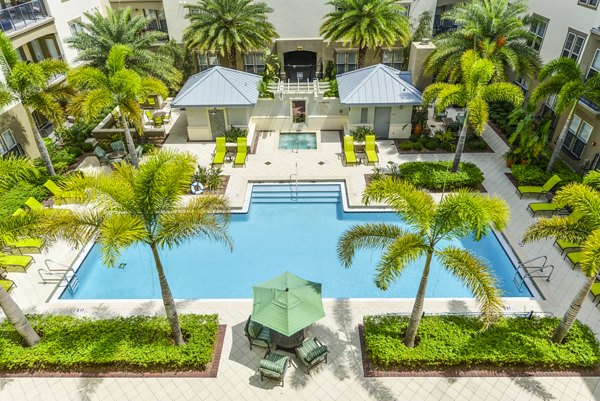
560	141
569	317
130	144
39	141
417	312
362	53
233	58
167	298
460	146
17	318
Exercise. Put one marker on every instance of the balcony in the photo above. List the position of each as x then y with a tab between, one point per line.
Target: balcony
19	17
589	104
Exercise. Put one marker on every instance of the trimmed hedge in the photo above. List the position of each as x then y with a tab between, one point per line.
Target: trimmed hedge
438	175
457	341
533	175
136	343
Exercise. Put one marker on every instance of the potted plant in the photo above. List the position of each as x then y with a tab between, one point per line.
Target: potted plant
359	133
510	158
419	119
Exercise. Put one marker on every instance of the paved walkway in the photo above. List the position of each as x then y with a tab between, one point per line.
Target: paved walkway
342	378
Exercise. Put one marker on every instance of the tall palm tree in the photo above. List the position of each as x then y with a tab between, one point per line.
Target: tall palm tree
100	33
474	92
562	77
456	216
114	86
145	206
497	29
366	24
29	84
229	27
582	226
14	169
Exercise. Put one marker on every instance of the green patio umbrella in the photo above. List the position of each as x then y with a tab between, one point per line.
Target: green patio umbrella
287	303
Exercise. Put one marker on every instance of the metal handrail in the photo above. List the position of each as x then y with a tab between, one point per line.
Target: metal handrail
17	17
519	279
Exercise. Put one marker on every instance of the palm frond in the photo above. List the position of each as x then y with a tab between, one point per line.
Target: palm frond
369	235
14	169
590	255
404	250
559	227
118	231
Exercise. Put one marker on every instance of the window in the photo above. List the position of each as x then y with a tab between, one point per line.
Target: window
8	144
406	8
299	111
548	110
595	66
157	20
588	3
254	63
75	26
393	58
573	45
364	115
538	29
522	83
345	61
206	61
578	135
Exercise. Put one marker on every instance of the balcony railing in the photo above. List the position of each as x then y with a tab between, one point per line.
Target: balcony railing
21	16
590	104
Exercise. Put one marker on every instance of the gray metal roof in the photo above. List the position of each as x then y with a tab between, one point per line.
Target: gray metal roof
377	85
219	86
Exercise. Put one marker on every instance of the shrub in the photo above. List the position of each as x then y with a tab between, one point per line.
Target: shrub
477	144
359	133
87	147
530	174
447	146
15	197
418	146
120	344
451	341
431	144
438	175
233	133
406	145
210	177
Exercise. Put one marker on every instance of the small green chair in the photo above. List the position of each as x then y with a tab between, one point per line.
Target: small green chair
61	196
151	102
242	152
595	290
167	118
33	204
539	191
149	115
118	146
539	207
257	334
574	257
370	149
26	245
220	151
157	120
101	155
564	245
7	284
16	263
19	212
349	155
274	366
311	353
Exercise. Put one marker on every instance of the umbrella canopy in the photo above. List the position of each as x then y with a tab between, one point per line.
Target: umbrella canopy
287	303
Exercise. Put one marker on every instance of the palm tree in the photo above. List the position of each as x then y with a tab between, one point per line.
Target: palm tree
145	206
497	29
474	92
29	84
366	24
100	33
229	27
582	226
562	77
456	216
14	169
114	86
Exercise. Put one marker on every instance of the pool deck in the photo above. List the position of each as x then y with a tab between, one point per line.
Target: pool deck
342	378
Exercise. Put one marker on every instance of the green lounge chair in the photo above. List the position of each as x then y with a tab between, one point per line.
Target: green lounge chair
564	245
349	155
274	365
167	118
151	102
7	284
27	245
16	263
539	191
370	149
311	353
149	115
220	151
118	146
19	212
158	121
257	334
242	152
61	196
33	204
539	207
574	257
595	291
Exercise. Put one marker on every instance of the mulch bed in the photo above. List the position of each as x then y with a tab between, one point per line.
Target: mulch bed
372	370
481	188
222	188
438	150
211	371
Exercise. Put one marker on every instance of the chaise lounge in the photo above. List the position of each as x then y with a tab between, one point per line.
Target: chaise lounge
16	263
349	155
242	152
220	151
26	245
540	207
539	191
370	149
61	196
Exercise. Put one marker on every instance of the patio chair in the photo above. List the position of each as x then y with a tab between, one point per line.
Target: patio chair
148	115
61	196
257	334
151	101
595	290
167	118
311	353
439	115
564	245
158	121
118	146
574	257
7	284
539	191
460	119
539	207
33	204
26	245
274	366
370	149
16	263
220	151
19	212
242	152
101	155
349	155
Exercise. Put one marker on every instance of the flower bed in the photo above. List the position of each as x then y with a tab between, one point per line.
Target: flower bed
451	342
131	344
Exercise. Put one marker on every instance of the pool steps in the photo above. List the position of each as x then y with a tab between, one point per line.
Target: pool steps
307	193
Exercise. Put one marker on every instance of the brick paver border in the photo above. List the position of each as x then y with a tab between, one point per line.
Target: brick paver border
210	372
370	370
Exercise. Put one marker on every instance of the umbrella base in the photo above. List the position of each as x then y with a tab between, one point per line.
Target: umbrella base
287	343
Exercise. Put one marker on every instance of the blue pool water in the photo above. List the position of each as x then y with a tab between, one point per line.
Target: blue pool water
278	233
291	141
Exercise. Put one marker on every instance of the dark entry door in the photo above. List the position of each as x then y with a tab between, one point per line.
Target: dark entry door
300	65
382	122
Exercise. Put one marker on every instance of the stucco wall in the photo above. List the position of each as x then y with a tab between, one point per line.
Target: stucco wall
17	121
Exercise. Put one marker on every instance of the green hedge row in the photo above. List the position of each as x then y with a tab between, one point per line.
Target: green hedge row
438	175
534	175
457	341
121	344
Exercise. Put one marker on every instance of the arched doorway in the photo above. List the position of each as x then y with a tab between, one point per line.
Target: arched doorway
300	65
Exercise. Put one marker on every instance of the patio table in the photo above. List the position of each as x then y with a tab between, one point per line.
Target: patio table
287	343
116	155
360	156
159	113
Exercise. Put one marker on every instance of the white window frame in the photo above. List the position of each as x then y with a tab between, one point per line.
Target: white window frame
254	62
4	148
575	137
395	54
534	28
594	70
345	66
569	51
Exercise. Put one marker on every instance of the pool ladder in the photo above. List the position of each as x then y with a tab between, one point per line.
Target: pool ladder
294	192
57	273
532	271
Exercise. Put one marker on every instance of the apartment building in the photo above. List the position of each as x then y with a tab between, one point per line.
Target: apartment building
38	30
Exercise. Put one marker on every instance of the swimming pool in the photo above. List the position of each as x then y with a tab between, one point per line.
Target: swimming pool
283	230
292	141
